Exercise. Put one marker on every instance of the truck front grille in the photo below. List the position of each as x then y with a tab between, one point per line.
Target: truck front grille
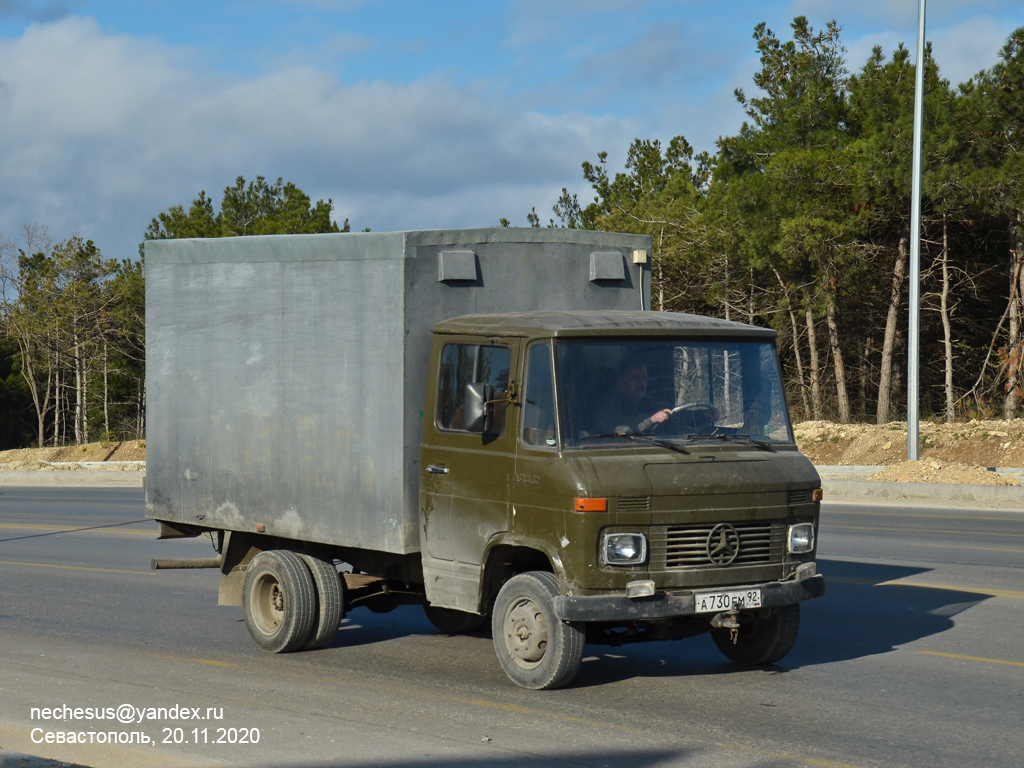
687	546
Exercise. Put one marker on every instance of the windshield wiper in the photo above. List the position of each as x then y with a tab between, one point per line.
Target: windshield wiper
730	437
640	437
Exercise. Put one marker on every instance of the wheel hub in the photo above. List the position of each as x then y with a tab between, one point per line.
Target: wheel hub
277	599
526	632
268	604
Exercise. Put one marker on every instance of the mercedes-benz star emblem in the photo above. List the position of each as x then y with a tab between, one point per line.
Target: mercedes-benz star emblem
723	544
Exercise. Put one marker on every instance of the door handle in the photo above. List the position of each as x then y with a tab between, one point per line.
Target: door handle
434	469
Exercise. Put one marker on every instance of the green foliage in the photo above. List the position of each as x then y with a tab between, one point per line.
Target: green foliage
56	314
15	402
803	81
660	194
256	208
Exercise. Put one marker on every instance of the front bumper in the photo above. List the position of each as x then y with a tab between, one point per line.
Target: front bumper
664	605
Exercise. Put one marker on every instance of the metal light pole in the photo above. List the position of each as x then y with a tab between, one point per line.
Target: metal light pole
913	334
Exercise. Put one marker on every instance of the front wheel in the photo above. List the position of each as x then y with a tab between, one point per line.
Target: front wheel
535	648
761	639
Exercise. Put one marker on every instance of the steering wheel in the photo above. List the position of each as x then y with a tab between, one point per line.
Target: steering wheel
695	405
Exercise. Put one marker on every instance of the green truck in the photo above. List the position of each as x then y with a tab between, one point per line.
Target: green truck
559	463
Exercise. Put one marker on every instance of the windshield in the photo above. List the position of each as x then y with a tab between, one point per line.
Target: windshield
679	390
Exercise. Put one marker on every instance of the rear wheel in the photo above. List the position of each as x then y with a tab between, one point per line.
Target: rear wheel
278	601
761	639
451	622
534	647
330	602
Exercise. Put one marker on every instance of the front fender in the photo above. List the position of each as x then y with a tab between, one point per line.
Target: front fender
507	554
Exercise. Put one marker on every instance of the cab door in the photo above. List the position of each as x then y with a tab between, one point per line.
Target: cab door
538	487
464	499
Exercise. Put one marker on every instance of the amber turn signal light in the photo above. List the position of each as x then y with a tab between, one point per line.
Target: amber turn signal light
591	505
817	494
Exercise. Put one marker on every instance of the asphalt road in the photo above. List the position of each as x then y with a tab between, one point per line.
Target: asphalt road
915	657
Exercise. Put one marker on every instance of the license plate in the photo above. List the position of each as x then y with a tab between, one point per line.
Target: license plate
733	600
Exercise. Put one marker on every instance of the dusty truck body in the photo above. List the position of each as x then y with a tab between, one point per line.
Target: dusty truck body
448	416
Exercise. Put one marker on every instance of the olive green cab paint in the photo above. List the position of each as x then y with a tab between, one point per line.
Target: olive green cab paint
502	493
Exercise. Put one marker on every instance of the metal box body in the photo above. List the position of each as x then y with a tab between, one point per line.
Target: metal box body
285	374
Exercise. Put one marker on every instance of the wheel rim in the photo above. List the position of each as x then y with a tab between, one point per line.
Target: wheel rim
750	629
268	600
526	633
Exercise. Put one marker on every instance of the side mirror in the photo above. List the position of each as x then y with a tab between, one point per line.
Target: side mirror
476	407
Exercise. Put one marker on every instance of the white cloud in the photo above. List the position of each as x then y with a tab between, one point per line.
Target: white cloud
965	49
102	132
966	35
37	10
879	12
346	44
662	56
962	48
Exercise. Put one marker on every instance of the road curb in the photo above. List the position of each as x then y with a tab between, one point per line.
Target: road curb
71	477
850	481
842	488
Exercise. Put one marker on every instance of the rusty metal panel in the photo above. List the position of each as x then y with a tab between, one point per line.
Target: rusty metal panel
286	374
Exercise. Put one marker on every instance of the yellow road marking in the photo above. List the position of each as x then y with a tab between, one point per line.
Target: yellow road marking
973	658
922	585
211	662
961	546
1017	519
972	590
872	529
813	761
75	567
91	529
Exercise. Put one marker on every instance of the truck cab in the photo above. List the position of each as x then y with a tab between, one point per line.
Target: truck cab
613	476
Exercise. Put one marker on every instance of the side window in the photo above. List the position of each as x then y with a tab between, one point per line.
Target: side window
463	364
539	400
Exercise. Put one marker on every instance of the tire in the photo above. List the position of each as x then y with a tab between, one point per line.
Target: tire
535	649
330	602
451	622
761	640
278	601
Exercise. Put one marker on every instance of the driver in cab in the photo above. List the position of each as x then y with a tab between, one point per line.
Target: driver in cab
622	409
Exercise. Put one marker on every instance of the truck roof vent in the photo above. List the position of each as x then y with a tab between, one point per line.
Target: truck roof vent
607	265
456	266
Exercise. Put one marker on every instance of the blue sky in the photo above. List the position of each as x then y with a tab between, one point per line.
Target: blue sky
407	113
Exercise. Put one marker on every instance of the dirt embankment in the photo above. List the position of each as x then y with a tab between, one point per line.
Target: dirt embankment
950	453
66	457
